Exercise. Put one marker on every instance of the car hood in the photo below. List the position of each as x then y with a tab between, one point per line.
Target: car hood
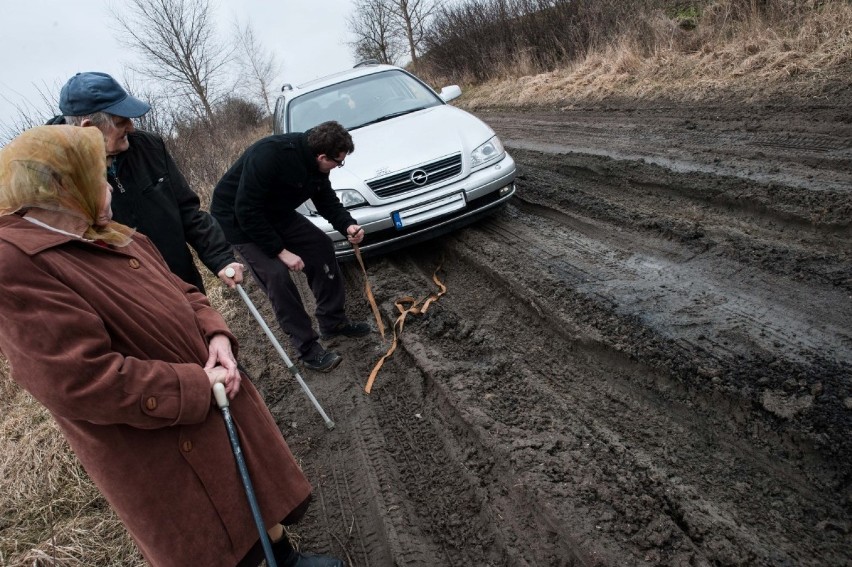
402	143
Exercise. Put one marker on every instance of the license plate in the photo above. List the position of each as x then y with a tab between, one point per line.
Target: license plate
426	211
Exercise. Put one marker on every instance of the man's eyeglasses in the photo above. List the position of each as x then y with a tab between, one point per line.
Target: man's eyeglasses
339	162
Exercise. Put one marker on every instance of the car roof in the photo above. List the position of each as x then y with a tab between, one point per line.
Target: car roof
314	84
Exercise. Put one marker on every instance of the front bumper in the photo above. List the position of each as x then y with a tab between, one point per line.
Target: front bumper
432	213
392	239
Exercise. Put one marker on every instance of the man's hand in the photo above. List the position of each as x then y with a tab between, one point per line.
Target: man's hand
291	260
354	233
238	274
222	366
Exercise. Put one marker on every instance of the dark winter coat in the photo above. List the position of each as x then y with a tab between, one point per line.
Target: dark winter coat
113	345
260	193
151	195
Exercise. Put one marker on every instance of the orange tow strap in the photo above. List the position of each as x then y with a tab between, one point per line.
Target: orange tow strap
369	292
415	307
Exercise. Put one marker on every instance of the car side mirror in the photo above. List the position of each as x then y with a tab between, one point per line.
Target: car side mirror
450	93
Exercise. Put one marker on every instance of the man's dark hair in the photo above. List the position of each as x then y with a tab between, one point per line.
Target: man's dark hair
331	139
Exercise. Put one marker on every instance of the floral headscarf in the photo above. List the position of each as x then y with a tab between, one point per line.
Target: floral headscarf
59	168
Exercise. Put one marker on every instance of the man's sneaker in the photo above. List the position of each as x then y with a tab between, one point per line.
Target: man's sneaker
347	329
322	360
286	556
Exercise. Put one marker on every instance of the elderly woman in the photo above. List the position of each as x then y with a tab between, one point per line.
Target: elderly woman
123	354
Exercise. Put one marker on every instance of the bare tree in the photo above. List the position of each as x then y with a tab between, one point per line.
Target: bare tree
177	42
412	17
377	35
256	63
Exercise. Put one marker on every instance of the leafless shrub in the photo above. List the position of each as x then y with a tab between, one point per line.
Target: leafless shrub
744	48
177	42
204	151
32	112
485	40
376	34
385	29
412	17
472	38
257	66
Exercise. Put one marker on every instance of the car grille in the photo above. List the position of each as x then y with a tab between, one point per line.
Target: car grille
402	182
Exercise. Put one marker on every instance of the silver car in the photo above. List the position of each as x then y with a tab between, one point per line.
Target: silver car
421	167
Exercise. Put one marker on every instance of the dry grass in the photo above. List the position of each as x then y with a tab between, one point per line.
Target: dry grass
51	512
203	156
747	58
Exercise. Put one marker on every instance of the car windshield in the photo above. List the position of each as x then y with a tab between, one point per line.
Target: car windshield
361	101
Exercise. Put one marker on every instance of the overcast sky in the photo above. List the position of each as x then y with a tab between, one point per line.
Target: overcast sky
44	42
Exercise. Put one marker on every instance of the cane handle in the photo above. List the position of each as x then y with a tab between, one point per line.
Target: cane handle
220	395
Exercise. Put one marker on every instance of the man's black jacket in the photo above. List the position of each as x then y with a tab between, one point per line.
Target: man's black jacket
263	188
150	195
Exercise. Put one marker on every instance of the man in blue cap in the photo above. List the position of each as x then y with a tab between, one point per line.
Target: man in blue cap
149	192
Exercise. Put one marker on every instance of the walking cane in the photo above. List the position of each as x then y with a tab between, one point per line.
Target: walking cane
229	272
222	402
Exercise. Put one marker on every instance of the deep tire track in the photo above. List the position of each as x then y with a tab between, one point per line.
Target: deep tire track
693	519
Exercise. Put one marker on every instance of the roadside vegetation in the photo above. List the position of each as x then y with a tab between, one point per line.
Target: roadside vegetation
505	53
745	50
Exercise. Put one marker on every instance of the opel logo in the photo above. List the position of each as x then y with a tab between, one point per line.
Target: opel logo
419	177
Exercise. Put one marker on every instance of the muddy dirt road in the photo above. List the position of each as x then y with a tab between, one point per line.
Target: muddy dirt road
644	359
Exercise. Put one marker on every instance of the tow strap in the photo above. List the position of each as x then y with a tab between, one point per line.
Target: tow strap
369	292
405	305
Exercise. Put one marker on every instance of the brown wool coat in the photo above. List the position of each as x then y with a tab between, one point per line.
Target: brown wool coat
113	345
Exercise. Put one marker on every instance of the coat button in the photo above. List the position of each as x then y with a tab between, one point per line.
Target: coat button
134	263
187	446
151	403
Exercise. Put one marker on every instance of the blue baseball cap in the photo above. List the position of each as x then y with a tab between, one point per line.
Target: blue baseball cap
87	93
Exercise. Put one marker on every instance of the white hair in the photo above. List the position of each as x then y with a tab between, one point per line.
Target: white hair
98	119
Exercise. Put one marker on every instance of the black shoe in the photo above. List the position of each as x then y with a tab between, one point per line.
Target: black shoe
347	329
286	556
322	360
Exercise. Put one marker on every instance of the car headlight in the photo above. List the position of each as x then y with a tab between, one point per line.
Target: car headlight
350	198
489	151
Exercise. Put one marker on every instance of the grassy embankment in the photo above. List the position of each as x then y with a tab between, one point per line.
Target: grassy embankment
724	52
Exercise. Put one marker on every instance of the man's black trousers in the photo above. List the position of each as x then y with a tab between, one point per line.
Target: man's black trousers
304	239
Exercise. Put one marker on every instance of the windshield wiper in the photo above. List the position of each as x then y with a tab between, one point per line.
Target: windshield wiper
391	115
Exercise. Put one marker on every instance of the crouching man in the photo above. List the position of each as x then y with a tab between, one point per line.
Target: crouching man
255	203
